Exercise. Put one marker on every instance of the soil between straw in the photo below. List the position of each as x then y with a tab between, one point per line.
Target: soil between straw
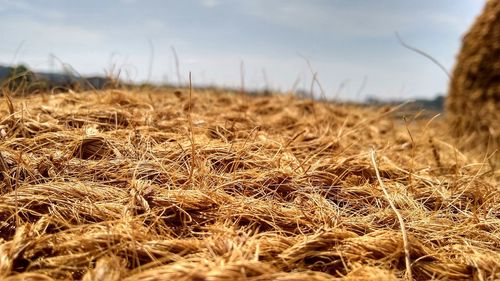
119	185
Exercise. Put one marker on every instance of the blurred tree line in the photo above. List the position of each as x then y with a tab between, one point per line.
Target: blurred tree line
20	80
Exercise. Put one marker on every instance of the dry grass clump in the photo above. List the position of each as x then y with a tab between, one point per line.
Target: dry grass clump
473	102
152	185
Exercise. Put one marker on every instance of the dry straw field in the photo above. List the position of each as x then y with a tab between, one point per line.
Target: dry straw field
161	185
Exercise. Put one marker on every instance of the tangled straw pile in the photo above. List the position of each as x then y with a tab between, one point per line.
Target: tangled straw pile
473	102
152	185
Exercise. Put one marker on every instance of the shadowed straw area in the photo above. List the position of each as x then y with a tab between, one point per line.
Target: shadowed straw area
152	185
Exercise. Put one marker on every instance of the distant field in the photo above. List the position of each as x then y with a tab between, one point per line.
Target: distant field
162	185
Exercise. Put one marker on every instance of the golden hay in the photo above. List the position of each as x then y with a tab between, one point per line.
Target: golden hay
473	102
125	185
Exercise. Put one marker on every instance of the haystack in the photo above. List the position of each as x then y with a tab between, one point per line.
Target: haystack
473	102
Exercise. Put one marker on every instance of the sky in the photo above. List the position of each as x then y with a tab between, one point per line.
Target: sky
278	44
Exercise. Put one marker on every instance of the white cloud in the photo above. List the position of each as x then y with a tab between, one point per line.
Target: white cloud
458	22
27	29
369	20
154	25
210	3
348	20
27	7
